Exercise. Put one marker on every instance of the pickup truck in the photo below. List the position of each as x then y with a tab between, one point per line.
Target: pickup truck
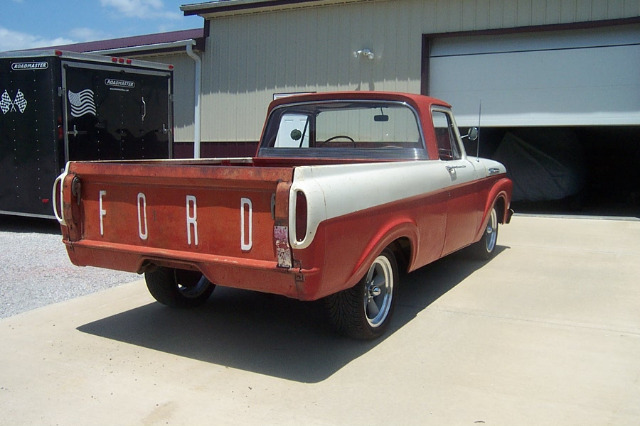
347	190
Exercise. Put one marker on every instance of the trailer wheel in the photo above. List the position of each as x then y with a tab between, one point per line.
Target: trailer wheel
486	247
364	311
178	288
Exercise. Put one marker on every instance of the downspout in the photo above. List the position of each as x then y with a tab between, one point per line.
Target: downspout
196	112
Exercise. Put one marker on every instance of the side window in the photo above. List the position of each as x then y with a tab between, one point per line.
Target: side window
448	144
293	131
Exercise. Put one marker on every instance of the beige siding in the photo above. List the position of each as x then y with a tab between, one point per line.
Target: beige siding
249	57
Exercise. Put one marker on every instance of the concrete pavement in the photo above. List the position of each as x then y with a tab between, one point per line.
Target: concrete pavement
547	333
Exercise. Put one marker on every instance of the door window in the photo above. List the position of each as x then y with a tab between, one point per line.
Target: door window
446	136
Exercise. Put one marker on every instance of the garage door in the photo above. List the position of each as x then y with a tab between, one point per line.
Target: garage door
565	78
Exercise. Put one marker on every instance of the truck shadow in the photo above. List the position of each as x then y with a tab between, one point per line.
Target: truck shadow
272	335
28	225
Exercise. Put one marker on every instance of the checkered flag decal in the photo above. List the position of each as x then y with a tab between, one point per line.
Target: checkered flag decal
5	102
7	105
20	101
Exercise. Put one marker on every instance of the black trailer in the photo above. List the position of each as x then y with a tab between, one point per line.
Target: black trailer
58	106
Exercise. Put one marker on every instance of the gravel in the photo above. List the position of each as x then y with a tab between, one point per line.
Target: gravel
35	270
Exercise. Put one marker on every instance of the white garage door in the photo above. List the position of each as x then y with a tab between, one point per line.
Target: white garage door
578	77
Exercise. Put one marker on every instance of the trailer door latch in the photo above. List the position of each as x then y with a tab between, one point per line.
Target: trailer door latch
73	133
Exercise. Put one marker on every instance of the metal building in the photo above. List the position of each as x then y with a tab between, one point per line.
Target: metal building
555	80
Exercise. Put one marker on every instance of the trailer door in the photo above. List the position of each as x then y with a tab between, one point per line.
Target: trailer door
29	113
115	113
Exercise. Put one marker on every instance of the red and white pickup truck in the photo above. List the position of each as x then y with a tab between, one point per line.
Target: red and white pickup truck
346	190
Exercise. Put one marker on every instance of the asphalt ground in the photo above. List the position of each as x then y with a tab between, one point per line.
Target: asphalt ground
546	333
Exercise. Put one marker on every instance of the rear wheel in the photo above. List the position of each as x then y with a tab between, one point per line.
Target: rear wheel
485	248
178	288
364	311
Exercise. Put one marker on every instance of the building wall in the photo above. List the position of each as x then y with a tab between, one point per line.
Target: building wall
183	93
251	56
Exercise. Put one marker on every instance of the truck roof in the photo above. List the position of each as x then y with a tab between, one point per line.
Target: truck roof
417	101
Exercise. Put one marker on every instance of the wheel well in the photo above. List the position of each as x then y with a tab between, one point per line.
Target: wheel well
401	249
500	207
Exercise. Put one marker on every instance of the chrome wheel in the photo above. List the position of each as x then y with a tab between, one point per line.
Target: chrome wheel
378	291
491	232
486	247
178	288
364	310
191	288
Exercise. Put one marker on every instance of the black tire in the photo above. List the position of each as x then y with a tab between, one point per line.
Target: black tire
178	288
364	311
485	249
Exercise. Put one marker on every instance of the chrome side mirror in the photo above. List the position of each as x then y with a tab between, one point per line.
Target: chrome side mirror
473	134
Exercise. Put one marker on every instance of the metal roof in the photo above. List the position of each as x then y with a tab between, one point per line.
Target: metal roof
225	7
160	42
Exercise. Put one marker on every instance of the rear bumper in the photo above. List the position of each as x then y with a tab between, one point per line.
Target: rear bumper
248	274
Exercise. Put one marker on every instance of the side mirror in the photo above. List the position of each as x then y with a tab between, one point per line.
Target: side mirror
473	134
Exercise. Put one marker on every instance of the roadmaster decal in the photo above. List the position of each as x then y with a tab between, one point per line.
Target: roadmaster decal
28	66
120	83
82	103
8	105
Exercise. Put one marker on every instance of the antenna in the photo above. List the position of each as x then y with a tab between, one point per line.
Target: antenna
478	141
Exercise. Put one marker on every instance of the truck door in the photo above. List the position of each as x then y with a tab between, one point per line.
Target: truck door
113	113
463	207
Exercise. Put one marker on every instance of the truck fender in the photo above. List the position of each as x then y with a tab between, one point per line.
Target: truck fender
500	191
315	211
389	232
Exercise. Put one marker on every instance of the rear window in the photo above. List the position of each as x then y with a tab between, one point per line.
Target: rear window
344	129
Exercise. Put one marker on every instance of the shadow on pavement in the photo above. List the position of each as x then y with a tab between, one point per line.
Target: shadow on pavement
19	224
268	334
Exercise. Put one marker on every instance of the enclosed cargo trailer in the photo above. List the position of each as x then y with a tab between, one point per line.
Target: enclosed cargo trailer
58	106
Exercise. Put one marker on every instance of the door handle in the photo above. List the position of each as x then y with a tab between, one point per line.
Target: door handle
144	109
452	169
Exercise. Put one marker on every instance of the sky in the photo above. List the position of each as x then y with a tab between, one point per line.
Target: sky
26	24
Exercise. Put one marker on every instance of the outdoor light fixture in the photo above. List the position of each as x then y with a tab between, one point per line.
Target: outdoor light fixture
364	53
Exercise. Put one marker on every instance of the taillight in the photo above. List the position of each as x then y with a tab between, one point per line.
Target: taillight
301	216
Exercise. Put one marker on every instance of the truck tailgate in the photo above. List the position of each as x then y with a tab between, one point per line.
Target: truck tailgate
207	211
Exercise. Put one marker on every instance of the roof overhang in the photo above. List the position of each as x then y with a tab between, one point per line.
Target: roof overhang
234	7
149	44
151	49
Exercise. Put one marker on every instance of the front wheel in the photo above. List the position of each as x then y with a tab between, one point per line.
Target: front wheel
364	311
178	288
485	248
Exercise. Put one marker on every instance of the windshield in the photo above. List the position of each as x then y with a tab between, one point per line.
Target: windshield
346	129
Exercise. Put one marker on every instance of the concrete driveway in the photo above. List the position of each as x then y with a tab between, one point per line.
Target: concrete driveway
547	333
